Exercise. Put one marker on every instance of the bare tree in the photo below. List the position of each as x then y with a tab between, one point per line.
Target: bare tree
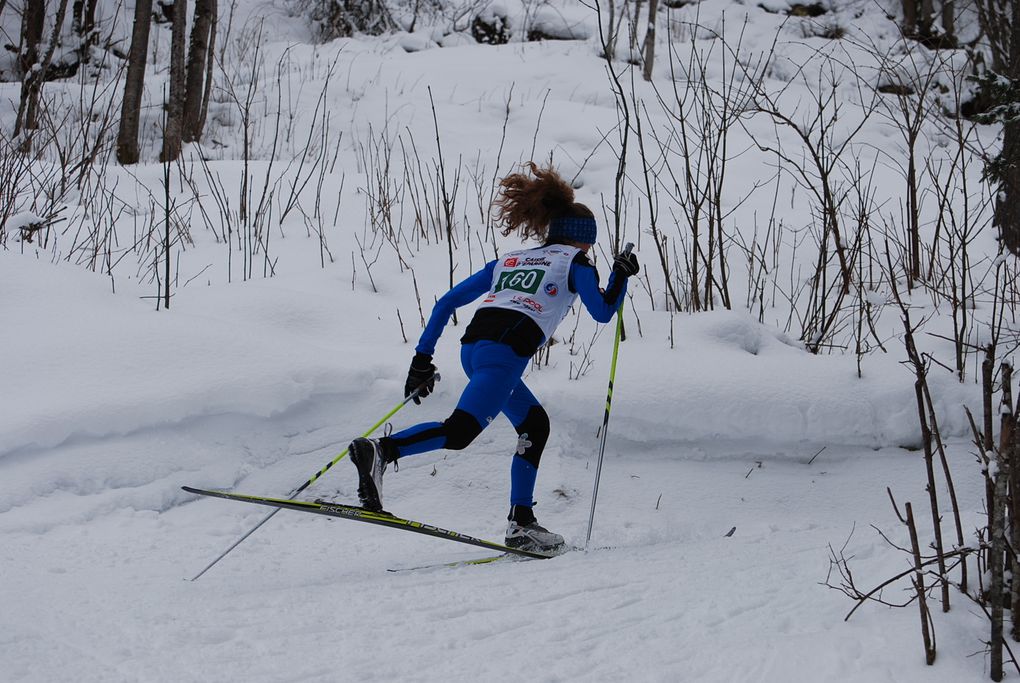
32	21
36	68
649	48
927	437
909	25
610	19
1003	37
134	83
918	18
83	22
925	17
1007	204
203	42
949	21
173	132
999	523
827	140
608	41
927	627
696	153
995	19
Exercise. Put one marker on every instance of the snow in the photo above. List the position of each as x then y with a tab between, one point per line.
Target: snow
719	419
22	220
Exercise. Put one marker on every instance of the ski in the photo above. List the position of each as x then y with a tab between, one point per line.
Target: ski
502	557
359	514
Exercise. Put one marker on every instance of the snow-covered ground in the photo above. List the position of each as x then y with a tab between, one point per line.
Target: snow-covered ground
719	424
110	406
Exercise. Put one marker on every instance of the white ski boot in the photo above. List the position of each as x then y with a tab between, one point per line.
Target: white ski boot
525	533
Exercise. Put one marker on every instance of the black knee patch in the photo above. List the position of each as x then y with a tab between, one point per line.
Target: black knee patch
533	432
461	429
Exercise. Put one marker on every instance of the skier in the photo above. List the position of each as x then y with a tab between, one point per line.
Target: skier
528	293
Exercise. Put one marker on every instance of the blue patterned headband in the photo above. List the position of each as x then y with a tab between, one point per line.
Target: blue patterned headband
574	228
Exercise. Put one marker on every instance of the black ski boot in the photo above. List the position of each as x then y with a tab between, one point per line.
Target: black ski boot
371	456
524	532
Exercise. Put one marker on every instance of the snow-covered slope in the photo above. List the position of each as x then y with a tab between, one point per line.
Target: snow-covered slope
719	421
112	406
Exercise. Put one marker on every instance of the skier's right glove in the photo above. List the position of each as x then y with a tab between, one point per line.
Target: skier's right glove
626	265
422	374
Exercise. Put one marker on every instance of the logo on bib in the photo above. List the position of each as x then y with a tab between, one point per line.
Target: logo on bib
551	289
510	262
527	302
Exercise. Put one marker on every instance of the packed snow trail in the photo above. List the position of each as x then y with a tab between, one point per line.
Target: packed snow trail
98	538
670	598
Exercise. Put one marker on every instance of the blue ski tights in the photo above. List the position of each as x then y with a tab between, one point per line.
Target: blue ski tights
494	386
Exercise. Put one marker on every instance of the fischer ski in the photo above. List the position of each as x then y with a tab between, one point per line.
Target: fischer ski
359	514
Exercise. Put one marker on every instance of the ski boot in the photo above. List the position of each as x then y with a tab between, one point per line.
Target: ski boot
371	456
524	532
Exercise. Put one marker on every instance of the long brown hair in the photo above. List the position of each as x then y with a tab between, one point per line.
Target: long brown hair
526	205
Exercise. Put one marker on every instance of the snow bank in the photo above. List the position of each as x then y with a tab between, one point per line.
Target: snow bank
731	379
83	362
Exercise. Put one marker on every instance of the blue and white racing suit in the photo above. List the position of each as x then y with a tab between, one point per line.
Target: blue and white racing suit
527	295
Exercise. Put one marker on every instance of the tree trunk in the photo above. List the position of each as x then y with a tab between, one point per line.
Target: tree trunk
922	599
909	17
1007	203
31	86
610	46
949	20
913	216
83	23
925	18
998	539
174	131
207	94
1006	446
134	81
997	587
653	10
929	464
32	20
987	440
31	35
199	52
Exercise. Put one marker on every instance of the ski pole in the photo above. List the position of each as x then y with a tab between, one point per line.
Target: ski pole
318	474
609	402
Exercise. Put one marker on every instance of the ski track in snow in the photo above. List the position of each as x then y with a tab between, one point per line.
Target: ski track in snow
663	596
98	538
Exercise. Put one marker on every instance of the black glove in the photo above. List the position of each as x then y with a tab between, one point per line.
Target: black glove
422	374
626	264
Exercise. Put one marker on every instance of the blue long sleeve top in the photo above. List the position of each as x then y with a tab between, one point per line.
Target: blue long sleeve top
513	327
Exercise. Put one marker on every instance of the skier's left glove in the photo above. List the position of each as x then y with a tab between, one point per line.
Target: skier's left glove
422	374
626	264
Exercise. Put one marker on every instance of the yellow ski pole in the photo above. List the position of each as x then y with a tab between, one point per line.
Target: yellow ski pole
314	477
609	403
